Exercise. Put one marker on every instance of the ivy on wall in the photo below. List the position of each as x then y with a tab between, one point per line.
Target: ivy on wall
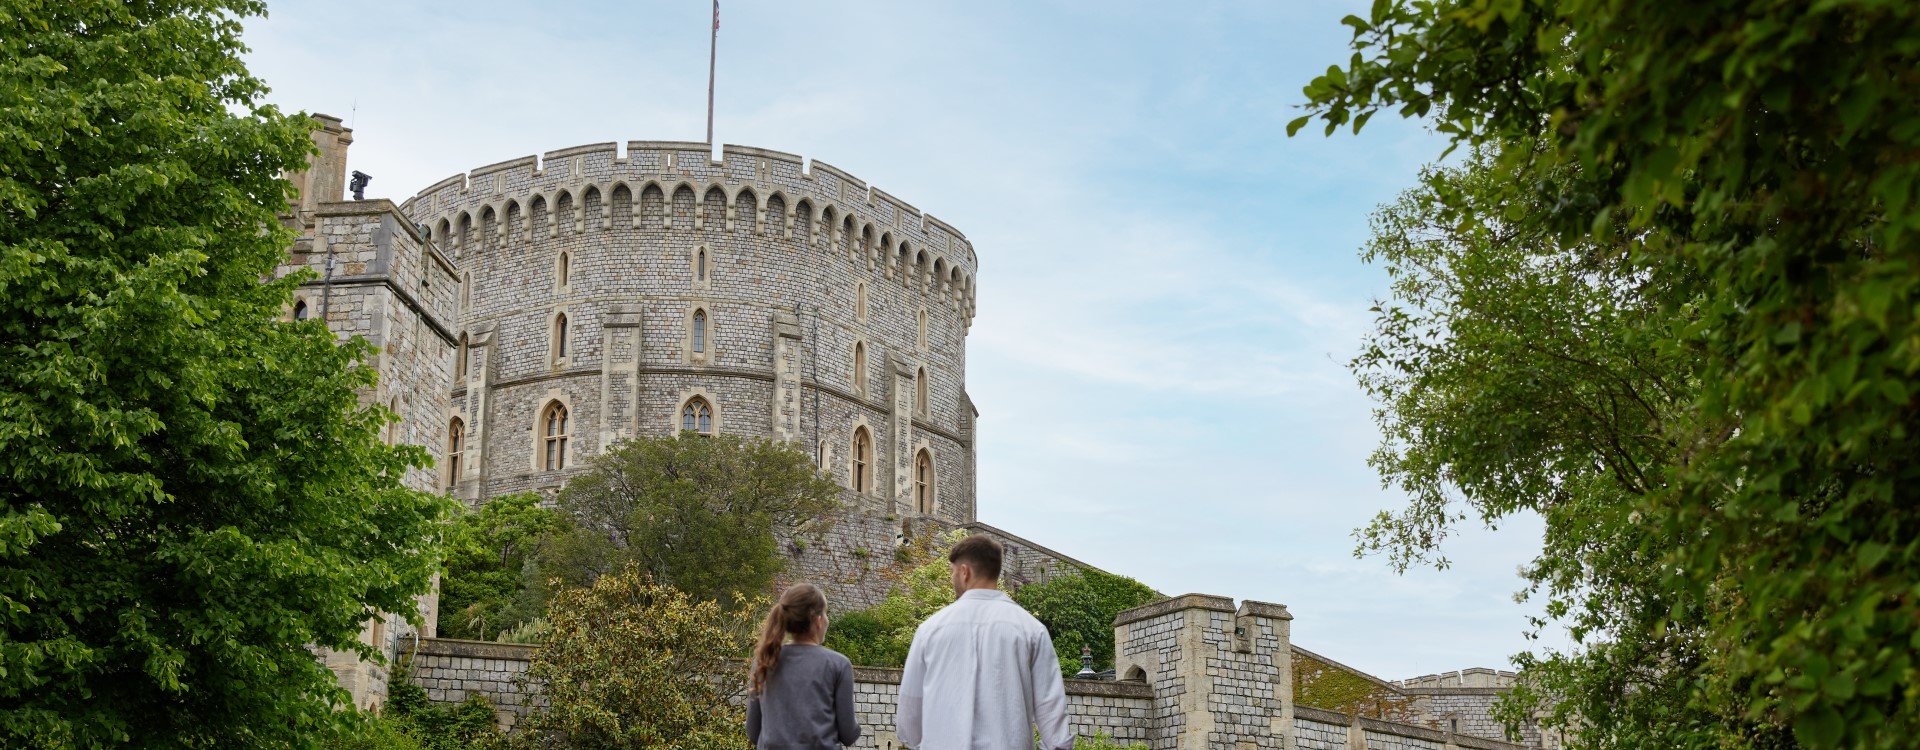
1331	687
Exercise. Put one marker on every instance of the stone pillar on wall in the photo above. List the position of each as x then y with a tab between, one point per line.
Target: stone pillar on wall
1221	676
479	385
786	376
619	373
900	449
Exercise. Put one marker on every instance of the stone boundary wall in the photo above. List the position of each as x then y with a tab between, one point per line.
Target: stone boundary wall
451	669
1121	710
1315	729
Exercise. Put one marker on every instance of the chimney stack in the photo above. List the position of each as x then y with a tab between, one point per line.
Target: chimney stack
325	178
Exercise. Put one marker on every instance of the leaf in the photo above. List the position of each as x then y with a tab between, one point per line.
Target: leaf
1820	727
1298	123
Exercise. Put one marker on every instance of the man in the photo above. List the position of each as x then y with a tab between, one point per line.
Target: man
981	673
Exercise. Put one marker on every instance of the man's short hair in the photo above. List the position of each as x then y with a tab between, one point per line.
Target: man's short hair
979	553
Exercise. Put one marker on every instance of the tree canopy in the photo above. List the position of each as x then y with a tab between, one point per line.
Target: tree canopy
1675	314
1078	610
491	584
696	512
192	494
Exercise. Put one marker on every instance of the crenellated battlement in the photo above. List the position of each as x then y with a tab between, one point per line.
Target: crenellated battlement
678	185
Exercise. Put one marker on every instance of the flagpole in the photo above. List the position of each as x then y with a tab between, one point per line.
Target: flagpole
712	55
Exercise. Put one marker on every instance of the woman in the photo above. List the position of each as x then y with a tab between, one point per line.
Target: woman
800	695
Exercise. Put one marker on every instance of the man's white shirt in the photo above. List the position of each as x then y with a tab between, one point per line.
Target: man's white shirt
982	675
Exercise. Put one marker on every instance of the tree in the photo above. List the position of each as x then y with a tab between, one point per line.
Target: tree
490	584
698	513
1747	171
1524	374
191	493
1078	610
636	664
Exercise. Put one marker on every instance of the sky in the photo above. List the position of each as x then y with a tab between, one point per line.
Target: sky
1169	287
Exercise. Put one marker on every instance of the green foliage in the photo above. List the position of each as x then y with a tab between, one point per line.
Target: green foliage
922	584
1078	610
490	550
193	492
1104	741
1723	452
1554	391
697	513
373	732
411	722
532	632
1330	687
470	724
863	639
634	664
1099	741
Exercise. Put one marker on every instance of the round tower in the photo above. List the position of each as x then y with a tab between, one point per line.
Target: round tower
607	294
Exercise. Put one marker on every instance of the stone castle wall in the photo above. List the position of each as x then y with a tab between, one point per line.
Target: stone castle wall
370	273
791	269
1200	674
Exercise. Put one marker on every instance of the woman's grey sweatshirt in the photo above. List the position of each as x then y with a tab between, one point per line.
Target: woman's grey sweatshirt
807	703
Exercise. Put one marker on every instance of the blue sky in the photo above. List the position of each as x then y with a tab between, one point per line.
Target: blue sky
1169	287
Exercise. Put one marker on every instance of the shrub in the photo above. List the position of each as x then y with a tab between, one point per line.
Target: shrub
634	664
1078	610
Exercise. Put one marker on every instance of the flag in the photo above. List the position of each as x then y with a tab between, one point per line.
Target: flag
716	15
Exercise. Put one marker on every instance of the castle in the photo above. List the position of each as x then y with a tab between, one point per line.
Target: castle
529	314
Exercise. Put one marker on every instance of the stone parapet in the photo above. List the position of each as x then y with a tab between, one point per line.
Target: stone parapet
1318	729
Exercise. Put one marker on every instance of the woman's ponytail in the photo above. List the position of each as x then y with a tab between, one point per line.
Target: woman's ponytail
792	615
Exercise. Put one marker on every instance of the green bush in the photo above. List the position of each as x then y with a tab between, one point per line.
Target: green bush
374	732
486	589
1099	741
1104	741
634	664
862	638
439	727
1078	610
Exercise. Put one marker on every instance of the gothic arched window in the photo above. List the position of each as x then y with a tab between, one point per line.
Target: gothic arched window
561	269
554	421
699	331
560	336
920	392
860	300
923	481
456	446
923	329
862	474
300	310
697	416
460	360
